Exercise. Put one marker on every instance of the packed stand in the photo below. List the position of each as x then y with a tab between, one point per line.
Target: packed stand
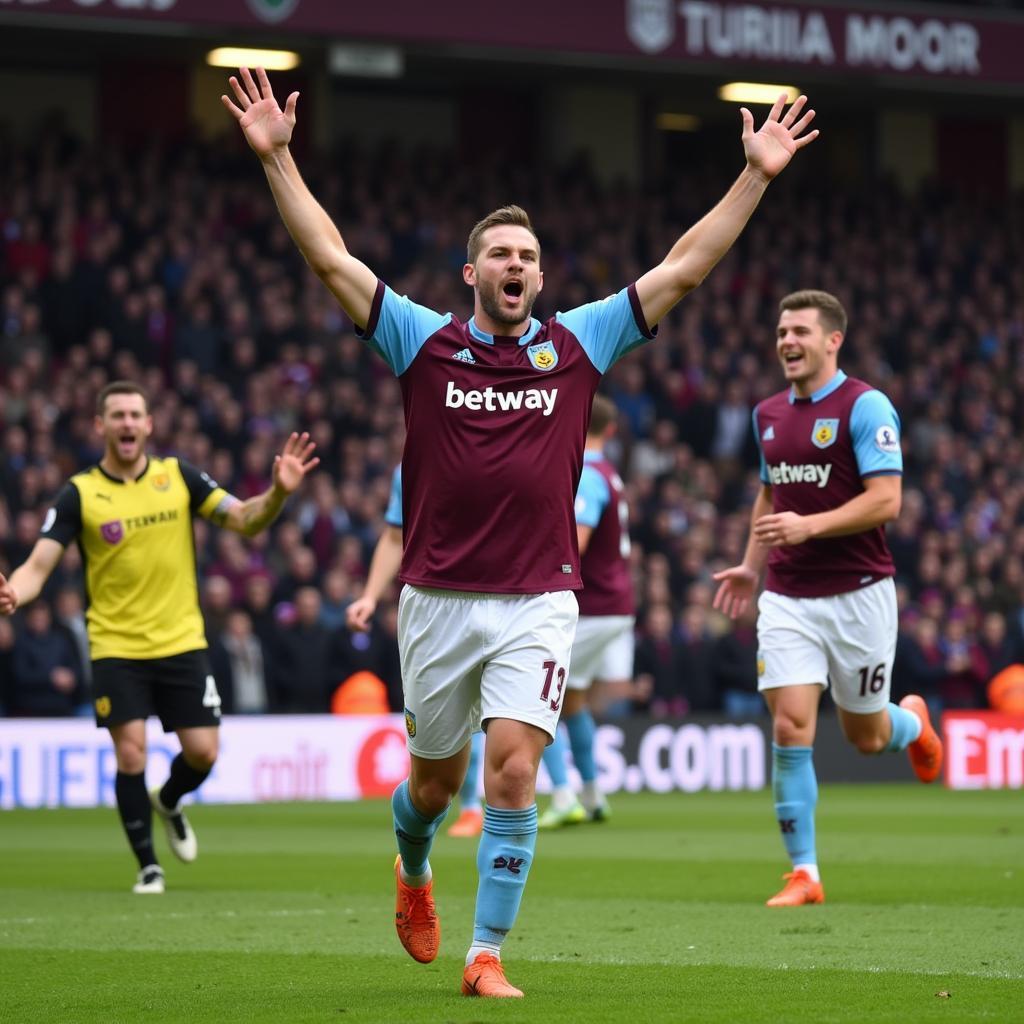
173	269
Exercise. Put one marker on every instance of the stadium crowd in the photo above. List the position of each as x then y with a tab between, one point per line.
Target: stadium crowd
172	268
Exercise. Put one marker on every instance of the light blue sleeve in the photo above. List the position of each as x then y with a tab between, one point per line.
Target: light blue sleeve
398	328
875	432
592	497
765	479
393	513
608	329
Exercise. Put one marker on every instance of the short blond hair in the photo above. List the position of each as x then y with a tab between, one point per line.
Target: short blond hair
830	309
512	214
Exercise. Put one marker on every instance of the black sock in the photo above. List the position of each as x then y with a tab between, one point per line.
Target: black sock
136	815
183	779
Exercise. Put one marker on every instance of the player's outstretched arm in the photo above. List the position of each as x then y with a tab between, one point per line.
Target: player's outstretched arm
268	130
737	586
768	151
254	515
28	579
384	566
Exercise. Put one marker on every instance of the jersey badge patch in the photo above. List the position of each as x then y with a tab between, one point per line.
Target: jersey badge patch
161	481
824	433
887	440
112	532
542	356
410	723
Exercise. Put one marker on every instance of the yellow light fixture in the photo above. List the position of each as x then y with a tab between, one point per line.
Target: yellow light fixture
667	121
244	57
756	92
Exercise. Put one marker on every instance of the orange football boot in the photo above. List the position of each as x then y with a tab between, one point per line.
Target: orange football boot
925	752
468	824
416	922
486	977
800	889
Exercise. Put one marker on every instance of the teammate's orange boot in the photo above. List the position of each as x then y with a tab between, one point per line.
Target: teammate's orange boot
468	824
486	977
416	922
925	752
800	889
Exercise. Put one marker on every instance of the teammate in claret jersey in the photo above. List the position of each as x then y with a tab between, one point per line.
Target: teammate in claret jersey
831	469
603	647
496	411
132	517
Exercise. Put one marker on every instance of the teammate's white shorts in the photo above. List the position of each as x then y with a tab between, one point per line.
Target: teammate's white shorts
603	649
848	640
467	658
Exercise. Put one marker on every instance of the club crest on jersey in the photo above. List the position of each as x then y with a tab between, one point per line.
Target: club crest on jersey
542	356
410	723
824	433
112	532
161	481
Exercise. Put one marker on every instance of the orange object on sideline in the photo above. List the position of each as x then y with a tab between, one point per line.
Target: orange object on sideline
1006	691
363	693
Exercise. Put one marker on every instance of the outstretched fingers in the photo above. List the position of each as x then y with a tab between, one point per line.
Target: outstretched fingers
776	112
250	85
801	125
242	96
265	90
794	111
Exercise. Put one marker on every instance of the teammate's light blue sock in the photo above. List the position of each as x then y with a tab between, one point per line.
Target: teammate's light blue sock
554	760
469	799
795	788
581	739
503	860
414	832
906	727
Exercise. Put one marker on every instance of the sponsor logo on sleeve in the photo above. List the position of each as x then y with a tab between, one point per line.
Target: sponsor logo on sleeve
887	439
824	433
542	356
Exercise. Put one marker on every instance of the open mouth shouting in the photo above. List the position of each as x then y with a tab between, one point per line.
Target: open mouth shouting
513	291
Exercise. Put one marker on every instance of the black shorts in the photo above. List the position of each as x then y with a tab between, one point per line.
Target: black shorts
179	689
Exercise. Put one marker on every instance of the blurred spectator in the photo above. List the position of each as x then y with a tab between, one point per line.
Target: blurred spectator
47	674
246	685
305	658
734	663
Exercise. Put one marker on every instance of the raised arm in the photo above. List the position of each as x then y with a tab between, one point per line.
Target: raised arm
255	514
28	579
690	260
268	130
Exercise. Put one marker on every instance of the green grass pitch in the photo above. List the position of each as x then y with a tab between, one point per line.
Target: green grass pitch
656	916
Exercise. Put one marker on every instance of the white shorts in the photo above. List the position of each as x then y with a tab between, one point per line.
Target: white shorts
603	649
467	658
848	640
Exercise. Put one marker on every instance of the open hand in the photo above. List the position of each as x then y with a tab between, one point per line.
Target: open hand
737	587
769	149
294	462
266	126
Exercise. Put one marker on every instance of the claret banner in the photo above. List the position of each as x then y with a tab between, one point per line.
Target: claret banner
858	39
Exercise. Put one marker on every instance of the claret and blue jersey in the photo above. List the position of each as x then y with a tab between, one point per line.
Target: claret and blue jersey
815	453
495	433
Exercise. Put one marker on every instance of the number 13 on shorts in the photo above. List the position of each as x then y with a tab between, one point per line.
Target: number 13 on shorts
554	678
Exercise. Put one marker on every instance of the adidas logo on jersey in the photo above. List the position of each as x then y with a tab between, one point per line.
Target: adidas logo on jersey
769	434
465	356
808	473
501	401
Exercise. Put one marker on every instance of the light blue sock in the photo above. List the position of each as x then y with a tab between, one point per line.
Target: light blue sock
414	832
581	739
554	760
795	788
469	799
906	727
503	860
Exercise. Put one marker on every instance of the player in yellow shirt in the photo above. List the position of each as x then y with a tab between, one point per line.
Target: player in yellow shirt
132	516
